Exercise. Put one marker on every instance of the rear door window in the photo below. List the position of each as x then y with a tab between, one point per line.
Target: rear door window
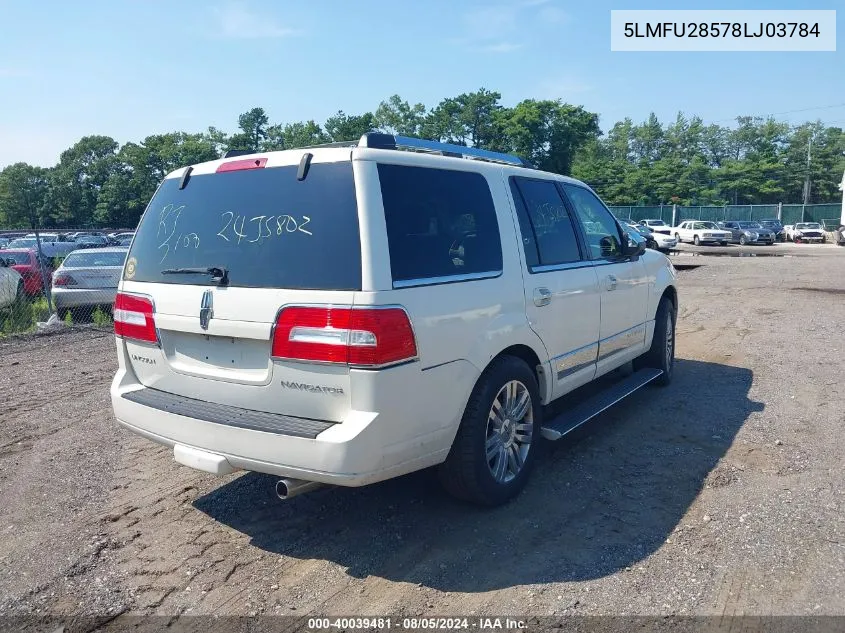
441	224
266	228
547	228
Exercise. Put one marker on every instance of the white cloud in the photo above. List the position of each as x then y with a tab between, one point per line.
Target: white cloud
236	21
495	28
502	47
553	15
563	88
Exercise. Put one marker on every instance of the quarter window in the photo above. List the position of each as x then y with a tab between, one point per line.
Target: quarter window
440	223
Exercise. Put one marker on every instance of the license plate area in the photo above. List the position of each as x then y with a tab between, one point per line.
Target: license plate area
217	356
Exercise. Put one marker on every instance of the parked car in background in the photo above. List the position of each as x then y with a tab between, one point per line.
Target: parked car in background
11	283
775	227
655	240
4	242
25	262
658	226
92	241
126	240
701	232
88	279
52	244
747	232
805	232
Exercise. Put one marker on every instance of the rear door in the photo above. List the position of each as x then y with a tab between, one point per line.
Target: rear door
562	294
623	281
282	241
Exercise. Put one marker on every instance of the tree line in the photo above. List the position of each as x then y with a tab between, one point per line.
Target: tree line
98	182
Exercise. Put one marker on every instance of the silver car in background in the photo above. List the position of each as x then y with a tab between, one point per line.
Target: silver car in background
88	279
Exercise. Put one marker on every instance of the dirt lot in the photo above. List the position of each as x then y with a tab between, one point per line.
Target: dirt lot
721	494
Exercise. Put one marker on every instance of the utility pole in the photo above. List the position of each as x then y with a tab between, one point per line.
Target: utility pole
807	178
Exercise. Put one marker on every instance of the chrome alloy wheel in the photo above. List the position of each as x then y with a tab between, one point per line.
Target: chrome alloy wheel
510	426
670	339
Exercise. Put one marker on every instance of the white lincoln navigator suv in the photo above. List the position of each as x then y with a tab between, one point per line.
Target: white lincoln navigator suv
347	314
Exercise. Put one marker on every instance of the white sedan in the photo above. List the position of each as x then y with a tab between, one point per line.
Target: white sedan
701	232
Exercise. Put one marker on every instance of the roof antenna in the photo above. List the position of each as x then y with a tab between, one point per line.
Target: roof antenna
304	164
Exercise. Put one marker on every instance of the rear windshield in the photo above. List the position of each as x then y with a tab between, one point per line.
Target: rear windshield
266	228
79	260
19	258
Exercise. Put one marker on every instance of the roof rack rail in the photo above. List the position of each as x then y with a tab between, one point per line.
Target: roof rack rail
379	140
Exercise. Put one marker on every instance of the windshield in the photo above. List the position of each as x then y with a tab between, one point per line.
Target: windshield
644	230
808	225
749	225
656	222
265	227
709	225
22	242
770	223
80	260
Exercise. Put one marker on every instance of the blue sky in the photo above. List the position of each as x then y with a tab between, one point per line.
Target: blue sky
129	69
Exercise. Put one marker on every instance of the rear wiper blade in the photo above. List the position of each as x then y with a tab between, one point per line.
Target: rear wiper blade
219	275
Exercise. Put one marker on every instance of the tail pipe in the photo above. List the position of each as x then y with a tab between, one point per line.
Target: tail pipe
289	488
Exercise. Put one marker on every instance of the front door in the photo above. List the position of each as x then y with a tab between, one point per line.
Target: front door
623	282
562	295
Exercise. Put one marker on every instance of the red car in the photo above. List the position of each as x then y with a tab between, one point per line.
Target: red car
26	263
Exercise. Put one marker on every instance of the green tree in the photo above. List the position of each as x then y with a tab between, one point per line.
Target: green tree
23	193
253	126
75	183
293	135
345	127
396	116
471	118
547	133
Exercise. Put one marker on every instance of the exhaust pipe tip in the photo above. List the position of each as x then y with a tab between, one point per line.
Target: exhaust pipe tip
289	488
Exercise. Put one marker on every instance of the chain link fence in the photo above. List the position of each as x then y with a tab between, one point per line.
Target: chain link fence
828	214
44	291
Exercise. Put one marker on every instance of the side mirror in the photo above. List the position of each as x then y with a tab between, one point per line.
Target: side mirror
634	245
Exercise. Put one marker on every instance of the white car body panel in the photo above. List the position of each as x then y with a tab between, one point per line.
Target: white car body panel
390	421
688	230
9	280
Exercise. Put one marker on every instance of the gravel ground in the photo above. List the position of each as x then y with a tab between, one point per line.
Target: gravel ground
719	495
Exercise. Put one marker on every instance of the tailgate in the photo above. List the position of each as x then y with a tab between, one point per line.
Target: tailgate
281	241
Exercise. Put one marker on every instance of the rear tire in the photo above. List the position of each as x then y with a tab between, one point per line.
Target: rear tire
661	354
497	442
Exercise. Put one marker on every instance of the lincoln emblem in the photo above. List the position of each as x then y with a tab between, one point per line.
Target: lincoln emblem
206	309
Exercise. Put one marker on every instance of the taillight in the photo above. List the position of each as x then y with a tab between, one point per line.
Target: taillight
63	279
368	337
133	318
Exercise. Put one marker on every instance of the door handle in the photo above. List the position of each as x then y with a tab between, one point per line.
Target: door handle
611	282
542	297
